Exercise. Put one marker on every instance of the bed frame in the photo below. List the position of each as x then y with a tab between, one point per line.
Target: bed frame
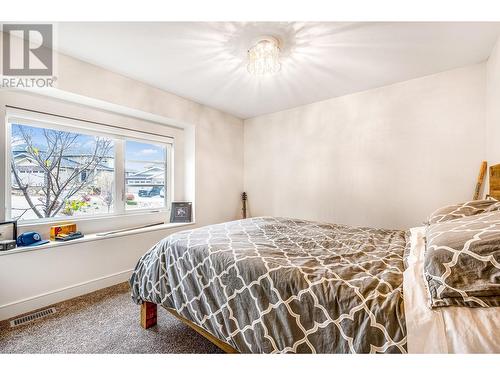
149	318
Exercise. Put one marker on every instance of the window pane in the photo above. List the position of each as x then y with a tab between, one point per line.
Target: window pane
60	174
145	166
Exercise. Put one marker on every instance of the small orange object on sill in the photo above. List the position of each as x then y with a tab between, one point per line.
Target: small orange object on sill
61	229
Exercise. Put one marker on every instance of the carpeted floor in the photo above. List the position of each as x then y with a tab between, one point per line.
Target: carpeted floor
106	321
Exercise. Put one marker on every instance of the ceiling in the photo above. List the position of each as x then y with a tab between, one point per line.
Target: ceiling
205	61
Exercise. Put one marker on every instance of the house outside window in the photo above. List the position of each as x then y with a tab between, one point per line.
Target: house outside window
144	174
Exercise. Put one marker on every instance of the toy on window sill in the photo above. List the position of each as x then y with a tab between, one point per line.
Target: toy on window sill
69	236
57	230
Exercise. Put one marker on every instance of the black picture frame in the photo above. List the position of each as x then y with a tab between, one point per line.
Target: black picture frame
4	227
181	212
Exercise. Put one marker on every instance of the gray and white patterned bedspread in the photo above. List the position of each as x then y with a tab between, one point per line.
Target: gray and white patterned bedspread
267	285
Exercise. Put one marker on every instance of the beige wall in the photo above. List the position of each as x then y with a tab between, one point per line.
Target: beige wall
385	157
213	176
493	106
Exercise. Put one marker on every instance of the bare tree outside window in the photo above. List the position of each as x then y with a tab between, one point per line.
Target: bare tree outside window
60	173
106	183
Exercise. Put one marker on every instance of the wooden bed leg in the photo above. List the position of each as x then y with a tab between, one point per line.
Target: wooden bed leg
148	314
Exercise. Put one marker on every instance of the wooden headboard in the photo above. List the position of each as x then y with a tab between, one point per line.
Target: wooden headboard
495	181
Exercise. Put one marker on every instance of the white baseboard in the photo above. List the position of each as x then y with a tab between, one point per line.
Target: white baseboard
45	299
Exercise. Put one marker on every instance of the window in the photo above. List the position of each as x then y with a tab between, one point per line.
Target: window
60	172
65	174
148	162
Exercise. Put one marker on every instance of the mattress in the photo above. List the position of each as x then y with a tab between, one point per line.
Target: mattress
279	285
451	329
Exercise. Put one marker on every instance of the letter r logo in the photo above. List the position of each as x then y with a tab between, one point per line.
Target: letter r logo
27	50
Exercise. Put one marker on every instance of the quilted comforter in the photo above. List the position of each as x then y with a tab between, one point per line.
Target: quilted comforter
268	285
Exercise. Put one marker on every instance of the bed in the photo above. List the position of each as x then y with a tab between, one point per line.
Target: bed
281	285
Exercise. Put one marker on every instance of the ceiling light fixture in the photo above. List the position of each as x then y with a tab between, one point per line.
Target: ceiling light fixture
263	57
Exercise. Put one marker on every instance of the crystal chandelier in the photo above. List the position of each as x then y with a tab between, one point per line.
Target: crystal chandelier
263	57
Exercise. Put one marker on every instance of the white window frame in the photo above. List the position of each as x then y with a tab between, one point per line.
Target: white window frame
119	136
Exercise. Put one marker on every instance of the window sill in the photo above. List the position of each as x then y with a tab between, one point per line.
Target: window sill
91	218
99	224
95	237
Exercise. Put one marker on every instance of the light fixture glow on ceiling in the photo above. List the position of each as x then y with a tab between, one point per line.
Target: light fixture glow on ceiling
263	57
